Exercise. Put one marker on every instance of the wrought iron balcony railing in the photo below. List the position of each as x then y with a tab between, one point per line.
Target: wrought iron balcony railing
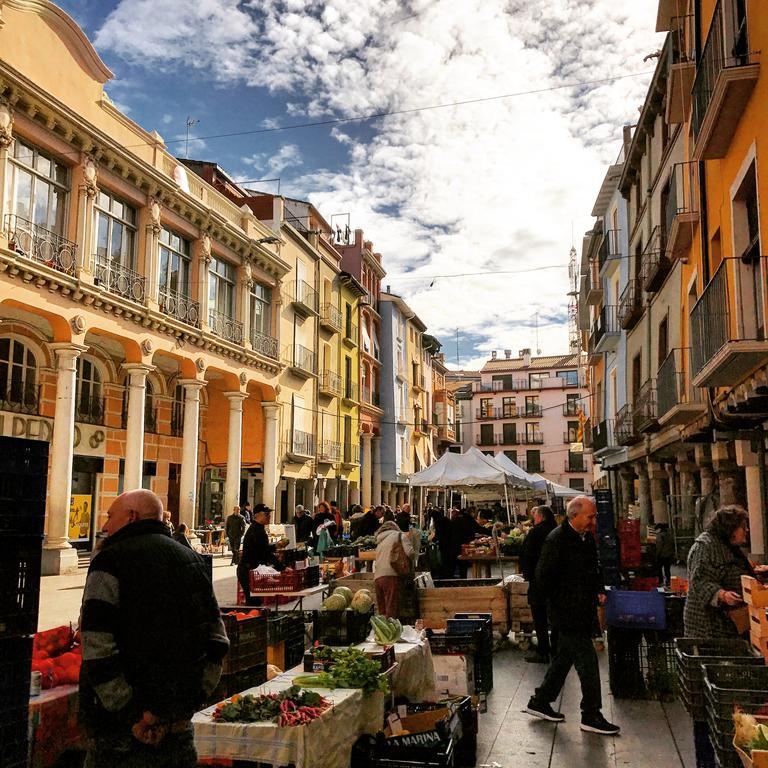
21	398
300	359
223	325
330	383
179	306
630	304
119	279
265	345
32	241
89	409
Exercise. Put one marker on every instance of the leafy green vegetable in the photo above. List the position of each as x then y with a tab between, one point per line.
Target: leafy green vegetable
254	709
351	669
761	740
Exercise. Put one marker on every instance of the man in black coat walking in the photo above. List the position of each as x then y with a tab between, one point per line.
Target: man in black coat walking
256	549
569	575
544	520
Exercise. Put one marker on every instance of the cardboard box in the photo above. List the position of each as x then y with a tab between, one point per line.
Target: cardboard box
517	587
454	675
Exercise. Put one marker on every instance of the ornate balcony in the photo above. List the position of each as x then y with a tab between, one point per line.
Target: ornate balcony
302	297
605	333
350	334
572	408
609	252
630	304
682	208
351	392
655	261
725	78
604	437
678	401
300	360
89	409
575	463
329	452
594	283
330	318
644	413
625	428
351	454
21	398
265	345
299	445
224	326
31	241
681	67
179	306
119	279
532	438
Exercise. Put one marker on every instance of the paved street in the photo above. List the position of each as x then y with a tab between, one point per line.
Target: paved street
653	734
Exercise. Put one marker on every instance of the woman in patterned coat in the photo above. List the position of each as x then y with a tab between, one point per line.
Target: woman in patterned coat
716	564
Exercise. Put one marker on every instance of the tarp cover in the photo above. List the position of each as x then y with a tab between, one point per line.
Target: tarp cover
536	482
470	469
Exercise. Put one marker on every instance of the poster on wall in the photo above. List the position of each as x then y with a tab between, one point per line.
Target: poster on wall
80	514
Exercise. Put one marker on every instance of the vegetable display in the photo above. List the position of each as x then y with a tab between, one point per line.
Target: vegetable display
346	593
351	669
56	654
334	603
750	734
365	542
362	602
293	706
386	631
241	616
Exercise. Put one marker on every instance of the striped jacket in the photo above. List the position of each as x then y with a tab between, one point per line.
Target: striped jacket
152	634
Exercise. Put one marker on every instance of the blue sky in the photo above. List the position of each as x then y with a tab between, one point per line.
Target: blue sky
499	187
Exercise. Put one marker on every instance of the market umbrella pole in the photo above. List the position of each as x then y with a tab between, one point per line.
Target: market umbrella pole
506	501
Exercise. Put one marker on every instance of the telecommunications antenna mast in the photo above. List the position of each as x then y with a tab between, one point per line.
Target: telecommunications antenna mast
574	337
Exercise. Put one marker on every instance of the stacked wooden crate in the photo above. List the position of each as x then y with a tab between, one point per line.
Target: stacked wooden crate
756	597
520	611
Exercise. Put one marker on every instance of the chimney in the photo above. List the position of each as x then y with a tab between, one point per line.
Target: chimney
388	290
493	355
508	353
526	355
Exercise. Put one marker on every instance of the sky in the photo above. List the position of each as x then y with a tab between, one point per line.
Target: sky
473	188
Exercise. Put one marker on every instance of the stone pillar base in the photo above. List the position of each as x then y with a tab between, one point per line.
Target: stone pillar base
60	562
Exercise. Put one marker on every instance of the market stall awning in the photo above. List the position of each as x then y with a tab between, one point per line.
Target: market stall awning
529	481
470	469
561	491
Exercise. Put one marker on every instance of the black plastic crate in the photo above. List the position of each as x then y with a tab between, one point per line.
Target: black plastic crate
474	644
294	652
19	584
705	756
237	682
727	686
461	626
674	607
641	664
247	642
692	653
312	575
341	627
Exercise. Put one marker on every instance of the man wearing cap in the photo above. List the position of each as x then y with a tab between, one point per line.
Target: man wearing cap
256	549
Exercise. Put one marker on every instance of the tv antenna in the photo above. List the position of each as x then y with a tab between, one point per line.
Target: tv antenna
341	228
190	122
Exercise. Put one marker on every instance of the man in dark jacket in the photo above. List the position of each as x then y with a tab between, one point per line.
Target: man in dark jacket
464	528
302	522
569	575
152	641
256	549
544	520
369	522
235	528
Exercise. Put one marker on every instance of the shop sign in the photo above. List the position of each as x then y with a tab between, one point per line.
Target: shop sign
80	516
89	439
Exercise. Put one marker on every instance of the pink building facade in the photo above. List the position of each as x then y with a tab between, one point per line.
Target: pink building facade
532	409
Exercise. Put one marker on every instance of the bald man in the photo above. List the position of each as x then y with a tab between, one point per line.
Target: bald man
568	574
153	641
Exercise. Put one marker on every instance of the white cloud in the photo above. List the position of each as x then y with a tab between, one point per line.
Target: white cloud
497	185
166	119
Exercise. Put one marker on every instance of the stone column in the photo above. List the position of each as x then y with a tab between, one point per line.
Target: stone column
134	437
748	459
376	471
353	494
309	493
729	476
686	469
269	476
332	489
365	468
644	495
321	494
58	555
151	216
203	258
234	450
392	496
657	475
290	484
188	479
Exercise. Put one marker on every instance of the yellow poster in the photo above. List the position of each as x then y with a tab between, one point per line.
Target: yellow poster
80	515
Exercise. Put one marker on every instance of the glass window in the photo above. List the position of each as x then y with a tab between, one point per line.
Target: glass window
177	412
88	395
261	309
18	374
39	186
174	263
535	379
576	483
221	287
115	231
571	378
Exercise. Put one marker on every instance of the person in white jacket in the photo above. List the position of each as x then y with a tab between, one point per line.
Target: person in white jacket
388	583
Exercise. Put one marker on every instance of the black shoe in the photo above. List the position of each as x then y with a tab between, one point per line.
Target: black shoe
598	724
544	711
537	658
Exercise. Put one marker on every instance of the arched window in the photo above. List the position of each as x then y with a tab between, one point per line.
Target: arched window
150	412
177	413
18	377
89	403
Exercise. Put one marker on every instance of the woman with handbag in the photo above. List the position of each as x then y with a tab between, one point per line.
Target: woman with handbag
716	563
394	562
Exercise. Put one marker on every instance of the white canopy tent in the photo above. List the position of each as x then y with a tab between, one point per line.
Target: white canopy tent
536	482
561	491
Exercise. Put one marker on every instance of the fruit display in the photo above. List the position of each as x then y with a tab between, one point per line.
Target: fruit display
386	631
57	656
290	707
513	544
334	602
343	598
243	615
363	601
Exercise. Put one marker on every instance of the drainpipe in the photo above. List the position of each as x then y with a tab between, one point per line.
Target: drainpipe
761	473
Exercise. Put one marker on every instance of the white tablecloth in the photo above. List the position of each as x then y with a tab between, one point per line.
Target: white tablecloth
324	743
414	676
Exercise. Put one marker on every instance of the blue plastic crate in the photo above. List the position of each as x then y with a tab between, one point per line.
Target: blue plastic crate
636	610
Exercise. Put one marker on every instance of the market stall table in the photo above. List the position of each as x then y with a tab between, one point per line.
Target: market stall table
481	564
365	558
54	730
414	675
208	541
324	743
298	595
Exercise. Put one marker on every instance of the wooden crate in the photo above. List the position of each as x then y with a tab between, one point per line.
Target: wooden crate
760	644
517	587
438	604
524	615
518	601
758	622
276	655
755	593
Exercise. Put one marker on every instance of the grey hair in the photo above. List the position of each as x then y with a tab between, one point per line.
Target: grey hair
575	505
300	507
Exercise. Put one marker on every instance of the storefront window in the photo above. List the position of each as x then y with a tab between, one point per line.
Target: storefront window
174	264
115	231
18	377
39	187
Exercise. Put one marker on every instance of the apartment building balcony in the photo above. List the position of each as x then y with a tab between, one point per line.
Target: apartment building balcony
681	68
682	208
350	456
725	78
655	261
494	386
677	400
37	243
300	360
644	412
530	411
420	427
179	306
570	436
575	463
594	283
118	279
265	345
330	318
720	355
630	304
508	439
329	452
223	325
330	384
604	437
605	333
21	398
530	466
486	442
447	433
532	438
350	335
624	426
609	252
302	297
350	393
419	383
400	371
572	408
371	398
89	409
299	445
